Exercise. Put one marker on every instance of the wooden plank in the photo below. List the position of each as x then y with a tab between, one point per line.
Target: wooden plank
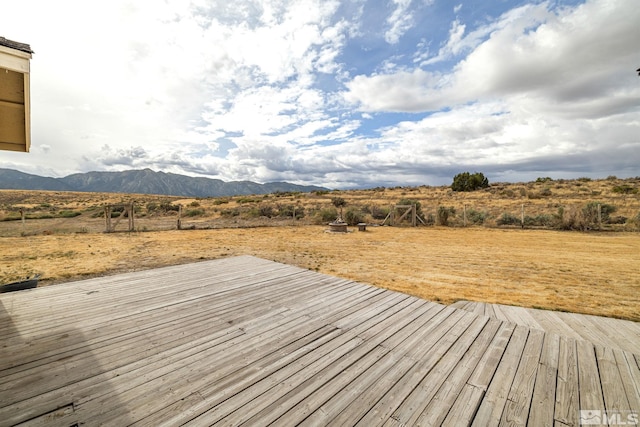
120	345
629	377
249	340
221	390
307	392
613	333
469	353
414	405
521	316
256	308
489	310
615	397
552	323
433	346
211	394
461	304
101	383
494	401
590	388
201	370
484	373
478	308
499	314
125	298
567	387
582	328
136	307
516	411
544	392
464	408
59	416
464	352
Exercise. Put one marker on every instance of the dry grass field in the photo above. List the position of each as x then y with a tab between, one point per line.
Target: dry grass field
593	272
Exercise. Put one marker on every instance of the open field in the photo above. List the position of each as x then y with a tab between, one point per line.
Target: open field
63	238
594	273
560	204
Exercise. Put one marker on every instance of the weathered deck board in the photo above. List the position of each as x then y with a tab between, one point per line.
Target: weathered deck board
603	331
249	341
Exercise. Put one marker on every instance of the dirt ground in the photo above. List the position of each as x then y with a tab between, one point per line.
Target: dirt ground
594	273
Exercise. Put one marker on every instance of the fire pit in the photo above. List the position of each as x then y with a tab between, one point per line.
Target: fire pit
338	226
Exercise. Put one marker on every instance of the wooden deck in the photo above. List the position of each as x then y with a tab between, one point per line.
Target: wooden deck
607	332
247	341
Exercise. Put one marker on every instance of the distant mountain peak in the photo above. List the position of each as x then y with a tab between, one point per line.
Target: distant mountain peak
144	181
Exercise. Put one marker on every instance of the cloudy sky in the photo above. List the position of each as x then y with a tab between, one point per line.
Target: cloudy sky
344	94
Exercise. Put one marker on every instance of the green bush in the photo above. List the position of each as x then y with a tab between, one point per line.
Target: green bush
590	213
262	211
243	200
617	220
539	221
378	212
69	214
466	181
194	212
508	219
228	213
477	217
162	207
326	215
287	211
625	189
442	215
353	217
287	193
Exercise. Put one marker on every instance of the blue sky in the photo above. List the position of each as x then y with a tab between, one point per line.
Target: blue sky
344	94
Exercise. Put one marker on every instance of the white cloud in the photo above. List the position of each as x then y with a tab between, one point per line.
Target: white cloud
557	57
252	89
399	22
534	84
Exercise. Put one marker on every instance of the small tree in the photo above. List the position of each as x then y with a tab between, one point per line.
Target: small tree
466	181
339	202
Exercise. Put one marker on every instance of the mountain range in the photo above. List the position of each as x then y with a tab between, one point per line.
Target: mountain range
144	181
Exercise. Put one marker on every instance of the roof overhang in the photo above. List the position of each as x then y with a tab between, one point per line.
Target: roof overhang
15	108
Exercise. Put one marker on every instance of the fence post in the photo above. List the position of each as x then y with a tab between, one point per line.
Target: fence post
179	217
599	216
522	217
464	215
131	219
107	218
413	215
